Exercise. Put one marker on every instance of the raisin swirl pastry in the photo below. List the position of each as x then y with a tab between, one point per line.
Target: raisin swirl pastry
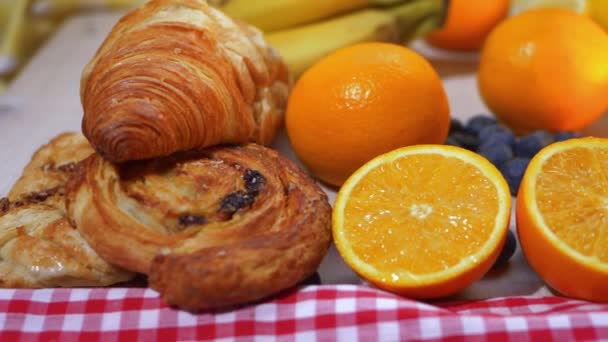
212	228
38	246
174	75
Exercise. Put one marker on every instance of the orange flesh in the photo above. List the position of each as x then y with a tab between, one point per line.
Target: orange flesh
423	214
574	205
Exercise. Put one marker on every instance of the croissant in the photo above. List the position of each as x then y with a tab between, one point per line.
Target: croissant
212	228
174	75
39	248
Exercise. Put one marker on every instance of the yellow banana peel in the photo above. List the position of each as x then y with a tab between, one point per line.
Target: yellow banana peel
11	40
599	12
272	15
36	31
303	46
21	35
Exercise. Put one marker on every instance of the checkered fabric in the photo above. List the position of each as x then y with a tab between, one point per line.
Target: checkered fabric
322	313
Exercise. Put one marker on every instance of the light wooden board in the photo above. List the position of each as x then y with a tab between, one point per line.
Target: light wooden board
44	101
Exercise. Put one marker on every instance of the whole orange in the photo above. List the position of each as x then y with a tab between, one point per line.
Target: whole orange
467	23
362	101
545	69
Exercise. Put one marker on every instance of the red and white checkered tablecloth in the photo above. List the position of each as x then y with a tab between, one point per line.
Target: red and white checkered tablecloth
323	313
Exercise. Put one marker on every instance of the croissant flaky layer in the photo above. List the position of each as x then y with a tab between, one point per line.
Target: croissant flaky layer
211	228
175	75
38	246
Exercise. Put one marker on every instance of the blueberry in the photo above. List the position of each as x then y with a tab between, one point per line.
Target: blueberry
507	250
465	140
450	140
491	130
498	153
499	136
478	122
513	170
528	145
456	126
565	135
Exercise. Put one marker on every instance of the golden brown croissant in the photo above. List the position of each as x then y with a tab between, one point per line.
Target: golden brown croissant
175	75
38	246
211	228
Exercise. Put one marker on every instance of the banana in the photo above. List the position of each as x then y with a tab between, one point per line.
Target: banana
272	15
21	36
5	8
12	36
302	46
599	12
36	31
59	8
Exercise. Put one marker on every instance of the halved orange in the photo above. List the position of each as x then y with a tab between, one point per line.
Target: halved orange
562	217
424	221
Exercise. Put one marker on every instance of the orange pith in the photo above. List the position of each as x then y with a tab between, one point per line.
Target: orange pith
423	222
562	217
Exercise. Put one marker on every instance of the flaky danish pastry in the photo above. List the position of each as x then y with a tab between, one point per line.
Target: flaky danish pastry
49	168
175	75
40	249
212	228
38	246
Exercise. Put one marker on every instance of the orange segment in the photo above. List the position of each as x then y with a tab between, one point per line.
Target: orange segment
562	217
424	221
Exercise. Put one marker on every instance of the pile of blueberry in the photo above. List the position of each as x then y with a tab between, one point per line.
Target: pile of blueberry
508	152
